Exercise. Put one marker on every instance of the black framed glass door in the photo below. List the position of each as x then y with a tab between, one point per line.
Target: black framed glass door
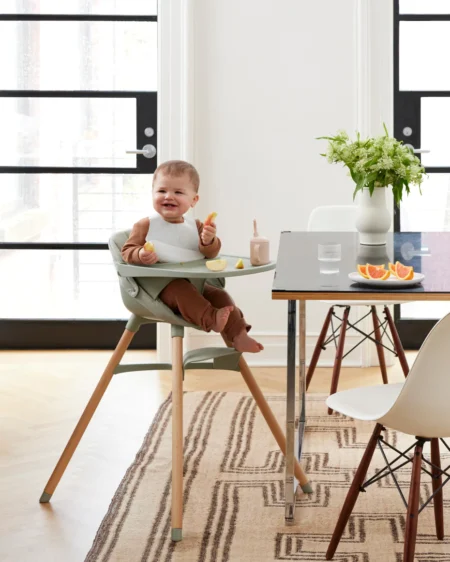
421	119
78	106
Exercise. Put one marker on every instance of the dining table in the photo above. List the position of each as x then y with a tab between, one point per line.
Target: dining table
301	276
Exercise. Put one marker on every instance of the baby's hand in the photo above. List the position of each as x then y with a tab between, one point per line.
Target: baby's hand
147	258
208	234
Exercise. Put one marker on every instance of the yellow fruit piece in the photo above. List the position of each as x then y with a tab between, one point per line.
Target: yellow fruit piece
148	247
239	264
216	265
210	219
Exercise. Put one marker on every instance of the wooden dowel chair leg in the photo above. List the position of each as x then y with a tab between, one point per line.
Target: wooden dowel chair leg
86	416
380	350
437	482
271	420
177	438
339	355
397	343
318	348
413	506
353	493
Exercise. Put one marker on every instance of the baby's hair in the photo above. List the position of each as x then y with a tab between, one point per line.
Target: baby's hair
177	168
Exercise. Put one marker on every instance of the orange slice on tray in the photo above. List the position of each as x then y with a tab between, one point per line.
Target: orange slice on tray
404	272
377	272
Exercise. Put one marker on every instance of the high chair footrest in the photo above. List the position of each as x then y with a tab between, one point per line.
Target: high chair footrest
132	367
224	358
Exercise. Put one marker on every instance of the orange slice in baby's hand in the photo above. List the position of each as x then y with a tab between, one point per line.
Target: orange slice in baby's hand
210	219
377	272
404	272
148	247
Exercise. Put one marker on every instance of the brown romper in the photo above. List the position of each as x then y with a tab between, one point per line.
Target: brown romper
181	296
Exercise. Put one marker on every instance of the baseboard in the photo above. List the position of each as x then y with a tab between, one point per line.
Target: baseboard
275	348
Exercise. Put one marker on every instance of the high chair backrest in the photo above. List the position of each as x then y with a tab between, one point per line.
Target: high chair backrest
137	292
422	409
333	218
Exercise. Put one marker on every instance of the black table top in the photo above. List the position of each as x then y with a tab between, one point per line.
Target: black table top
298	273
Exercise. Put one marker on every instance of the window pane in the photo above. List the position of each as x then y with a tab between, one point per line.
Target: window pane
68	132
424	55
430	211
59	284
70	55
424	7
110	7
71	208
435	123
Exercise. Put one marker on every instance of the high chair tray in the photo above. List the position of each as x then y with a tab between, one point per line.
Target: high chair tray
193	269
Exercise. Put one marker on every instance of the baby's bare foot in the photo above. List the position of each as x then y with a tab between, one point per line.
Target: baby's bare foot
243	342
222	316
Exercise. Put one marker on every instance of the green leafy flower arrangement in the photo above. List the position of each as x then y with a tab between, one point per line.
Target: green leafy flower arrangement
376	162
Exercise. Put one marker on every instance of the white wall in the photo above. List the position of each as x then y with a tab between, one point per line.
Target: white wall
266	79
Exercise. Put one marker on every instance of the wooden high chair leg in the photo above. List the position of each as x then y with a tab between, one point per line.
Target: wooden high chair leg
177	438
271	420
380	351
86	416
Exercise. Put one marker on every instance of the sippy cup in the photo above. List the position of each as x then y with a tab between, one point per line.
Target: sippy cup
259	248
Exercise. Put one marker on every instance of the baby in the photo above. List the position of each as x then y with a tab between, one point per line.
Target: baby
179	238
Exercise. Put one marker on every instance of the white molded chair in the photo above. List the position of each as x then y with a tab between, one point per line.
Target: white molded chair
341	218
418	407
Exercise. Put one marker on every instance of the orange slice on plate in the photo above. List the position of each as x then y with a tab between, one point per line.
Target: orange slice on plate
362	271
392	268
377	272
404	272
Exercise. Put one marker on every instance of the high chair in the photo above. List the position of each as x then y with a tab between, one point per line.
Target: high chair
137	285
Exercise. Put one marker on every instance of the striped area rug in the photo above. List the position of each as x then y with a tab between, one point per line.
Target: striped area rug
234	488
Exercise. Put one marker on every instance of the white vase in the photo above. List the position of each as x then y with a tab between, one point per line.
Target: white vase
373	219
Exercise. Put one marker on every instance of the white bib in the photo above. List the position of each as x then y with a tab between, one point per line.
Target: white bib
174	242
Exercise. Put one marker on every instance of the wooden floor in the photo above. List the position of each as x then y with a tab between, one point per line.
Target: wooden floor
42	395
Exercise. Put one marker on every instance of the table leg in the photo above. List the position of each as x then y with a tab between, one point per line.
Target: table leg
290	415
302	376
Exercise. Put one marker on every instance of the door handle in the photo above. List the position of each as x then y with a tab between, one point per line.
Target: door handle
418	150
148	151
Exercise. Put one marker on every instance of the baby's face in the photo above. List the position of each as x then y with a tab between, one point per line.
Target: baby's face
173	196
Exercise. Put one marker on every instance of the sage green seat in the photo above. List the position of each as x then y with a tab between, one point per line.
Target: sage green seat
139	288
140	294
